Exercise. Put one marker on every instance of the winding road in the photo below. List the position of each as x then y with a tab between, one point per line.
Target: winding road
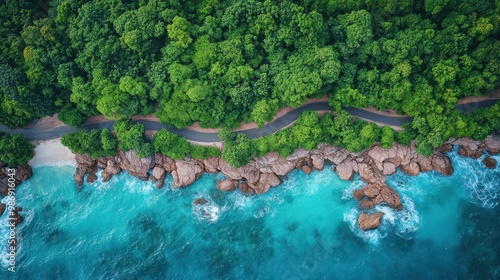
269	128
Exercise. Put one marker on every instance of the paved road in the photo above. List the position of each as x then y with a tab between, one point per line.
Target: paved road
277	124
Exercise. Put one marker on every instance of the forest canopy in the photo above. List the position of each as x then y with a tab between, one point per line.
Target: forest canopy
224	62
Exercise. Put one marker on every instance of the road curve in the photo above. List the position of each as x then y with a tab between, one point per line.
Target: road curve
275	125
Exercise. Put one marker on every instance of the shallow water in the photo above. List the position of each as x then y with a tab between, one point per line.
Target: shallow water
304	229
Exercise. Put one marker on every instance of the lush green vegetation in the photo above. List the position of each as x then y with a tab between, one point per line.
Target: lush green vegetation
102	142
14	149
223	62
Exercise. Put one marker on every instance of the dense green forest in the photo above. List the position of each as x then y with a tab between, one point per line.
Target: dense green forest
224	62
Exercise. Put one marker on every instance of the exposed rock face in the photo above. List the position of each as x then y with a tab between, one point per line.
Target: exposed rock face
200	201
318	162
358	194
91	178
370	221
23	172
391	197
105	176
441	163
389	168
470	148
246	189
345	169
376	194
411	168
211	165
158	176
187	171
137	167
270	178
492	144
272	162
306	169
112	168
227	185
490	162
79	175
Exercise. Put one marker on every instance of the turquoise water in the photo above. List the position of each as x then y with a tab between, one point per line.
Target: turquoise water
304	229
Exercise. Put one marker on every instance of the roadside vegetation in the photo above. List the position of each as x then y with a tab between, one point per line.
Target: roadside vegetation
221	63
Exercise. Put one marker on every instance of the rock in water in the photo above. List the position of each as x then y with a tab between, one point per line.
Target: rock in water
306	169
200	201
442	164
490	162
227	185
358	194
79	175
23	172
391	197
370	221
138	167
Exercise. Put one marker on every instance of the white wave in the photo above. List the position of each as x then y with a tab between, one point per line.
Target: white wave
482	185
355	185
209	211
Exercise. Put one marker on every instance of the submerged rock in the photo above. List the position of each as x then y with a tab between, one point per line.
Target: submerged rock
490	162
370	221
200	201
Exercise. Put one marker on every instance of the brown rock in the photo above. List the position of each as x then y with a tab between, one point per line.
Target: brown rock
158	173
138	167
391	197
260	187
105	176
447	147
112	167
366	204
227	185
492	144
358	194
424	163
370	221
318	162
269	178
306	169
211	165
153	178
246	189
272	162
187	171
389	168
79	175
345	170
371	190
370	174
411	169
159	184
23	172
490	162
441	163
91	178
200	201
229	171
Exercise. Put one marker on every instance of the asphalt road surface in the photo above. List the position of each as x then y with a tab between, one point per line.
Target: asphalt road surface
277	124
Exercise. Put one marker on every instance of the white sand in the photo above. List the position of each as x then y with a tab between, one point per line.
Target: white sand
51	152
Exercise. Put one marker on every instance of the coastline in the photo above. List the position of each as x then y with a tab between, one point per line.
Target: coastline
51	152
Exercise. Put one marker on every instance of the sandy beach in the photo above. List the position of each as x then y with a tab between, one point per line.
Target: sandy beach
51	152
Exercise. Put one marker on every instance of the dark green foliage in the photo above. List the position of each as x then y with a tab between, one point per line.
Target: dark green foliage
386	137
131	136
170	144
238	150
221	63
96	143
15	149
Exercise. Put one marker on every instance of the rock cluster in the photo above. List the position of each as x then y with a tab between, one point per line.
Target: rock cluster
475	149
260	174
370	221
23	172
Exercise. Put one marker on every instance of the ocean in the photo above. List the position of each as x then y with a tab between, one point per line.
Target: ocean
305	228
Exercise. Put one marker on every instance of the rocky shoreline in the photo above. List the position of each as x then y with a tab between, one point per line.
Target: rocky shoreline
260	174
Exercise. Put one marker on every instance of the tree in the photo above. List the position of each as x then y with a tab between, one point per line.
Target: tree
15	149
264	111
387	137
239	151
